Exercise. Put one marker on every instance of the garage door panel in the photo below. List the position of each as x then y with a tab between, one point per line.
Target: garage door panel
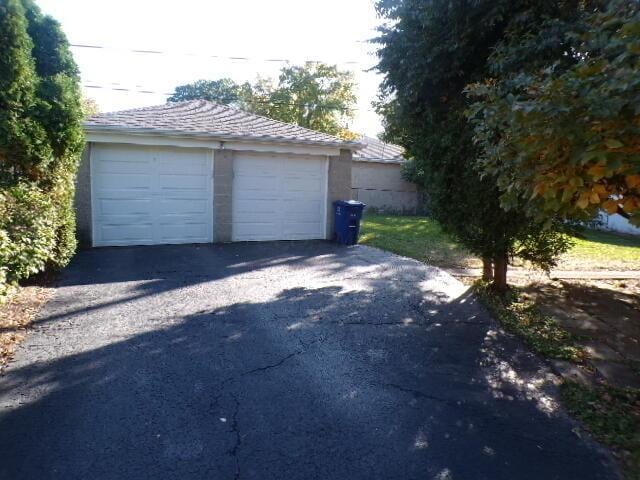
184	233
116	153
299	217
151	195
115	206
278	198
250	212
256	231
302	164
306	208
302	184
249	204
299	230
301	196
183	182
253	166
256	183
124	220
183	206
124	181
127	234
168	165
183	219
127	166
252	199
187	195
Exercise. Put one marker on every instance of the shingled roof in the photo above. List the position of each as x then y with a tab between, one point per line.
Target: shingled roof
377	151
204	118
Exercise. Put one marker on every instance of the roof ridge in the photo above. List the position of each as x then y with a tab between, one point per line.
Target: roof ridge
292	125
204	117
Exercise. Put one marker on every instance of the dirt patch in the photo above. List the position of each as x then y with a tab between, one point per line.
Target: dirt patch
16	316
605	315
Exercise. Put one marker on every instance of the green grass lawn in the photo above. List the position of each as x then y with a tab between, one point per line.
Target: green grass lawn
416	237
597	250
422	238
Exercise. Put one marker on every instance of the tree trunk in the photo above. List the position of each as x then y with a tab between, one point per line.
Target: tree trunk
487	269
500	273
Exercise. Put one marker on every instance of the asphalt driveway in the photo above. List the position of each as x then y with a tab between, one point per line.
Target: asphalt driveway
296	360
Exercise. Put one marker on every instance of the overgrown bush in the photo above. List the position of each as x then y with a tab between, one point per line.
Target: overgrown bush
40	143
28	220
62	197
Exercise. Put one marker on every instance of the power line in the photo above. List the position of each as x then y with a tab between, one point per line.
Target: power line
210	56
262	102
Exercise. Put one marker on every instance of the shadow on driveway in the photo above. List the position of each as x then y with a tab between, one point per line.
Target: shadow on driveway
279	360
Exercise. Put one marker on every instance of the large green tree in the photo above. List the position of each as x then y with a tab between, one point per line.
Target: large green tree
314	95
429	52
41	110
562	133
23	139
40	141
223	91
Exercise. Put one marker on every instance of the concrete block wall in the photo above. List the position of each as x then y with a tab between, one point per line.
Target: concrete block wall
339	187
82	200
382	188
222	195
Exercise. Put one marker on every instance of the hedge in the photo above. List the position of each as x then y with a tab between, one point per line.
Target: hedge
40	143
35	232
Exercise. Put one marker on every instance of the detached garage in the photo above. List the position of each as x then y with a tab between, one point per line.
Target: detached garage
376	179
198	172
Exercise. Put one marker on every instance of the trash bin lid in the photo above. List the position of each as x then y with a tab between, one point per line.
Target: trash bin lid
350	203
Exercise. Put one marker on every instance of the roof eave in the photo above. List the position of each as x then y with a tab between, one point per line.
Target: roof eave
380	160
94	128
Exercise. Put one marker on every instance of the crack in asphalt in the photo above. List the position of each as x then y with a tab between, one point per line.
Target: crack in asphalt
215	404
280	362
377	324
275	365
238	440
420	394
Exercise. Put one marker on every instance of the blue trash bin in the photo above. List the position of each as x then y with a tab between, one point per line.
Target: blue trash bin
348	214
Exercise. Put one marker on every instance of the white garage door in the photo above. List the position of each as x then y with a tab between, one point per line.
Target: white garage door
279	197
151	195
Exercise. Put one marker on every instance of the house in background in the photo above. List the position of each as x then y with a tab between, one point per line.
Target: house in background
616	223
198	172
376	179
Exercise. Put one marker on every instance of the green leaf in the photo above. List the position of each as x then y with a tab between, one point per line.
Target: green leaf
613	143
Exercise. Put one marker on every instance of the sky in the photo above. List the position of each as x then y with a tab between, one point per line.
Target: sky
191	32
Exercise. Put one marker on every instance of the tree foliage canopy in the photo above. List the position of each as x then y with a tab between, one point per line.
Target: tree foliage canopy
563	136
429	51
313	95
40	108
223	91
40	141
23	139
